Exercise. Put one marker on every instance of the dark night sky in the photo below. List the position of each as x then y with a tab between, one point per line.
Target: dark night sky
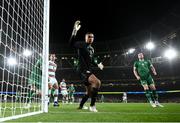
108	19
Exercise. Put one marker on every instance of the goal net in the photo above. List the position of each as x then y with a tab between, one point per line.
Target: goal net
23	57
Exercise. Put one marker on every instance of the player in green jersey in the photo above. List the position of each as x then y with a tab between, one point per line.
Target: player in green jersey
141	71
71	91
35	81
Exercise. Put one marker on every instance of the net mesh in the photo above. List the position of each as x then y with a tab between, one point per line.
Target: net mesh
21	48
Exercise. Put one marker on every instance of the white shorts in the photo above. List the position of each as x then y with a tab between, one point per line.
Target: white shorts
52	80
64	92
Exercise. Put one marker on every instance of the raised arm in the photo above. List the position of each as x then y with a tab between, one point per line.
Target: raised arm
76	27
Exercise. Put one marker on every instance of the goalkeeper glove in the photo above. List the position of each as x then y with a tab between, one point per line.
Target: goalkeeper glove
101	66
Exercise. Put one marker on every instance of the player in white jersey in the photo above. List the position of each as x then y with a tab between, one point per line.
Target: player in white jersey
124	97
52	82
64	91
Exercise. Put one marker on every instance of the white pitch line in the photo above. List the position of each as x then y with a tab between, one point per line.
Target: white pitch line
128	113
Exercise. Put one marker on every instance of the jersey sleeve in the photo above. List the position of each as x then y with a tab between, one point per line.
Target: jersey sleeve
135	65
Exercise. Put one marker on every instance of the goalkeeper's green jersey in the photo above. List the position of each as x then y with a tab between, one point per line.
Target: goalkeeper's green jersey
36	74
143	67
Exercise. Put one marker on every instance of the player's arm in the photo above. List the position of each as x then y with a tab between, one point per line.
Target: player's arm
68	90
97	63
60	85
56	66
72	41
135	71
152	68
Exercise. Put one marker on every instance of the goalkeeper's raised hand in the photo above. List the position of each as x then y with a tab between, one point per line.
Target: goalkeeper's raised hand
76	27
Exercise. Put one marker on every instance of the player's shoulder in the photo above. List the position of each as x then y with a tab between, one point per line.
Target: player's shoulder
147	60
83	43
52	63
135	62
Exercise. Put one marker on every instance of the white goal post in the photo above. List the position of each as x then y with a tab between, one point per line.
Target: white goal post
24	53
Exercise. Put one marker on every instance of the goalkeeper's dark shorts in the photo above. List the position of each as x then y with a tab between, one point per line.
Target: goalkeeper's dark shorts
84	77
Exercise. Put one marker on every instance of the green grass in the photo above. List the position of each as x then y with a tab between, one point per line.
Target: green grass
9	109
109	112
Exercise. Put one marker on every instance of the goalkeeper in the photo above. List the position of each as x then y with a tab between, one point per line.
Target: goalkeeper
85	53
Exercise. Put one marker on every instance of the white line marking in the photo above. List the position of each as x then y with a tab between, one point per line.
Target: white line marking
124	113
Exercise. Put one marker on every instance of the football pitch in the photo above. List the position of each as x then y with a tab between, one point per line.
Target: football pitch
108	112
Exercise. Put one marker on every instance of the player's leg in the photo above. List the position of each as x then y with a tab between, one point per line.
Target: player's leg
52	92
31	93
72	98
69	97
17	98
152	88
95	85
84	77
154	94
63	97
49	91
85	98
56	92
147	92
66	98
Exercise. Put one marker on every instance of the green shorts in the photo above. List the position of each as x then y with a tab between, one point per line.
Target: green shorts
146	80
71	95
